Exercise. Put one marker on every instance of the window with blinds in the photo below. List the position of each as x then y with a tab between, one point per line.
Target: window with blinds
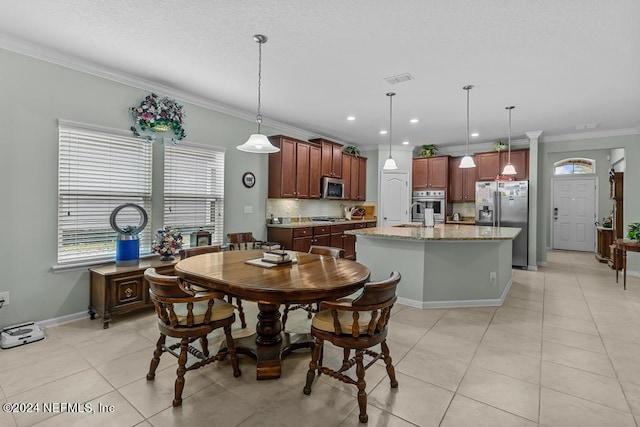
99	170
194	189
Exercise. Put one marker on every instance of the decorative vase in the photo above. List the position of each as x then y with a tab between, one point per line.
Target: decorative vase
167	258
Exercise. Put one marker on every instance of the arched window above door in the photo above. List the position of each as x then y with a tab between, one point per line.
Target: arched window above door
574	166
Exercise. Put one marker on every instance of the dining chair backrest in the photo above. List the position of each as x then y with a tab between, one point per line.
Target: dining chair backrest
198	250
327	250
242	241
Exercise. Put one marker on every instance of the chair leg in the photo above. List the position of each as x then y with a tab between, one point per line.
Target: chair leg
285	315
346	352
232	351
320	360
362	394
156	357
313	365
204	343
243	323
387	360
182	362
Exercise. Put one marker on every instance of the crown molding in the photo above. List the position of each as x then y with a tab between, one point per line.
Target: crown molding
53	56
590	135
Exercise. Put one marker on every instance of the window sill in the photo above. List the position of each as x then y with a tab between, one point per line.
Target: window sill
63	268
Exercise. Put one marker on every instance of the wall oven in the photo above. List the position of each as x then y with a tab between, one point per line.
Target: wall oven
428	199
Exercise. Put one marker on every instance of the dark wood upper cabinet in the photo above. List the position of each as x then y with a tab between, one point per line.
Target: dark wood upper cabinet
490	165
331	157
462	182
430	172
294	170
354	175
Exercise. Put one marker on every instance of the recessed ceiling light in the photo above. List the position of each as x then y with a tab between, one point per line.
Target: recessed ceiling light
351	118
475	134
383	132
414	121
405	142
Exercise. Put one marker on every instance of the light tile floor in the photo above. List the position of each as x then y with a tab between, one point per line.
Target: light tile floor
563	350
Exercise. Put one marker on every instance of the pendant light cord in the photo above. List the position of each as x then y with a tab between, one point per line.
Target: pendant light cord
468	88
259	116
390	95
509	156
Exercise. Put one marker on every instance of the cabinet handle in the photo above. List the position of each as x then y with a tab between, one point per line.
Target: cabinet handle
128	292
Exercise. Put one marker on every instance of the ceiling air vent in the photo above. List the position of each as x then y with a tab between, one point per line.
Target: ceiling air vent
398	78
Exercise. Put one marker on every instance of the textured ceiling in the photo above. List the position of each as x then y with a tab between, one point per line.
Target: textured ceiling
562	63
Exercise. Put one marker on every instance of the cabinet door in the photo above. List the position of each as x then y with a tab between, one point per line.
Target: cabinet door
302	171
469	185
488	166
419	177
314	171
346	173
336	160
354	176
437	169
456	180
302	244
287	176
519	160
349	246
362	178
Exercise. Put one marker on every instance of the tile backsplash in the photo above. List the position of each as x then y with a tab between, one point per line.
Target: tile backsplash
464	209
300	208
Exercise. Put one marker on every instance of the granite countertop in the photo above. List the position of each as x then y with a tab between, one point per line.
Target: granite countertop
302	224
414	231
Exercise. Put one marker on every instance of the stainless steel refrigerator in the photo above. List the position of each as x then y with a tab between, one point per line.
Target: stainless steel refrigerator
506	204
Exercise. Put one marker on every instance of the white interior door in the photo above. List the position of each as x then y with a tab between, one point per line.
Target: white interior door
573	214
394	198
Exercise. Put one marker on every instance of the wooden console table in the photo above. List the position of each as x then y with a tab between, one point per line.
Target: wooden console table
624	246
118	290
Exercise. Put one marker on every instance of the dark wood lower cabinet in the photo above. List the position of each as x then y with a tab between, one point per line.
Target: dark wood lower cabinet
119	290
603	247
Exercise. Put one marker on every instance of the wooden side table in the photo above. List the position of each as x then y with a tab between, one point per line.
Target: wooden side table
118	290
624	246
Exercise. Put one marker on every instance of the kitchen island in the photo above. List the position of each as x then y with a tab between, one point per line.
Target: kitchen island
442	266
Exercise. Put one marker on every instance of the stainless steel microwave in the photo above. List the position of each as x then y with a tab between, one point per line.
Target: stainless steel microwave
332	188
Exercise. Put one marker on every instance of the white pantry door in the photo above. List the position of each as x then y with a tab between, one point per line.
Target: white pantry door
394	198
573	214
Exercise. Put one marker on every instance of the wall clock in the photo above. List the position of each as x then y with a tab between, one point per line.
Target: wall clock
248	179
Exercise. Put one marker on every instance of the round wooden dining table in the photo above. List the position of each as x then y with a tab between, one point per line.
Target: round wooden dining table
309	278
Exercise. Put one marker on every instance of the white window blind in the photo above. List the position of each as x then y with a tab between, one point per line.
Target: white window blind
98	170
194	190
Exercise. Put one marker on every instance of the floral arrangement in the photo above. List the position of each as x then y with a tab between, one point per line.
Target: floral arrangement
167	242
158	114
607	222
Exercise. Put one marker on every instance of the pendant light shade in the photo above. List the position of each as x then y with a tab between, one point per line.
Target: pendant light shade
509	169
390	164
467	160
258	143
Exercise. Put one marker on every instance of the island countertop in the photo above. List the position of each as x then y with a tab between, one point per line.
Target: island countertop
413	231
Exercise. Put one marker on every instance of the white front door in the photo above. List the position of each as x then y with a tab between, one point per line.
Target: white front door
394	198
573	214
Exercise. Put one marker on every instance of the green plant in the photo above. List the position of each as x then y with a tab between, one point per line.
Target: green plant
634	231
500	145
428	150
351	149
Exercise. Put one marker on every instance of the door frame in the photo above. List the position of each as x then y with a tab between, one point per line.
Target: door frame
596	201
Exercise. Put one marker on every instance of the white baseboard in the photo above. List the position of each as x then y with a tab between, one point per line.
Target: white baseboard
62	319
458	303
543	264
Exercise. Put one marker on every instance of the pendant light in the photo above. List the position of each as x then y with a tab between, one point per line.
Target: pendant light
508	168
467	160
390	164
257	142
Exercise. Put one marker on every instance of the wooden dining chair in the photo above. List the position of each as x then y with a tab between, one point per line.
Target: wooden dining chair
312	308
243	241
199	250
188	318
358	325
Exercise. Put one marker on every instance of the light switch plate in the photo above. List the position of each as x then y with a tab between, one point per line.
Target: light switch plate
248	209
